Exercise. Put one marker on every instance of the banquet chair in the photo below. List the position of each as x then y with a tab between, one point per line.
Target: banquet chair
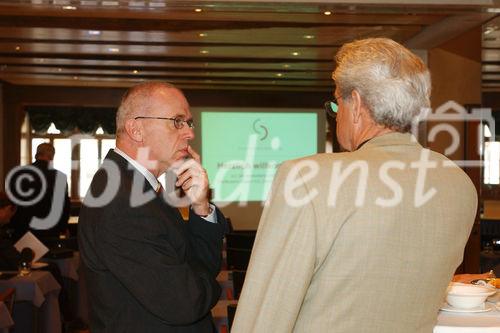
8	296
231	311
238	279
240	240
237	259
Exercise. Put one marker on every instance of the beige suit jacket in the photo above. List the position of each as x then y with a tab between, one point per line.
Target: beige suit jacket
371	251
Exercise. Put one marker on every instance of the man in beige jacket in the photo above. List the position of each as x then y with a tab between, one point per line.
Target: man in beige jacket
366	240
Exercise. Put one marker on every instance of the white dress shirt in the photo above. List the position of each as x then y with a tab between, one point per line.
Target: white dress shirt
155	183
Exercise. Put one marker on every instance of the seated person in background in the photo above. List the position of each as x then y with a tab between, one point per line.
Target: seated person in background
52	209
9	256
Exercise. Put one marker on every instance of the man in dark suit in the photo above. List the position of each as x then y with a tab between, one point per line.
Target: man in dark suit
46	217
146	269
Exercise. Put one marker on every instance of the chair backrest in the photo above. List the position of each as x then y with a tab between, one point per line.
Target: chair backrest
231	311
237	258
238	280
240	240
8	296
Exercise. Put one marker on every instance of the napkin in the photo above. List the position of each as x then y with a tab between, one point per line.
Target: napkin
29	240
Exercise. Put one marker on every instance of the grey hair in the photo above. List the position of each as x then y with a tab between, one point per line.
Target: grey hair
394	84
136	102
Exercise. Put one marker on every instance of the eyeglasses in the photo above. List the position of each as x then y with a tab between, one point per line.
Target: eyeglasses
332	107
178	121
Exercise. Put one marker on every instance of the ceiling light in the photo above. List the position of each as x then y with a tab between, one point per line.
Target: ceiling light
94	32
69	7
204	52
157	4
59	69
286	66
295	53
198	10
308	36
18	48
114	49
279	74
53	129
99	131
135	71
75	77
202	35
327	12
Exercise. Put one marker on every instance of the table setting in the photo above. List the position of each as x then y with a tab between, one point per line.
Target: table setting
472	307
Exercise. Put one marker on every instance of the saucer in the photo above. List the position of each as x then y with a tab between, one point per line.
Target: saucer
483	308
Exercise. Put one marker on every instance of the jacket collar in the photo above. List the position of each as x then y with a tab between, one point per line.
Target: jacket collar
390	139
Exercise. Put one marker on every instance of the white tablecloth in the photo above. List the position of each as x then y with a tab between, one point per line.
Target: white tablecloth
41	290
5	318
484	322
67	266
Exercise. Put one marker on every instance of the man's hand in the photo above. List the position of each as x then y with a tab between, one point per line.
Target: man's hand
193	179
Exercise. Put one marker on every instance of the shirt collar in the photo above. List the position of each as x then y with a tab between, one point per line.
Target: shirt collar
155	184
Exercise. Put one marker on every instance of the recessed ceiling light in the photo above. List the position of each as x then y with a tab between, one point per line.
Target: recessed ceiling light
18	48
198	10
69	7
286	66
114	49
308	36
202	35
75	77
204	52
59	69
157	4
135	71
327	12
279	74
136	3
94	32
295	53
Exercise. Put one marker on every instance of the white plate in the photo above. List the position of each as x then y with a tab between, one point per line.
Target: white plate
484	308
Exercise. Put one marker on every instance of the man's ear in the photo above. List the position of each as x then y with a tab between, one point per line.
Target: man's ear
356	106
134	129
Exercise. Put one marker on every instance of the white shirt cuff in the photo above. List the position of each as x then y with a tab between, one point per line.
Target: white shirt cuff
212	217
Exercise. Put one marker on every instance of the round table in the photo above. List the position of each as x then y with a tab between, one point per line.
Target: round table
483	322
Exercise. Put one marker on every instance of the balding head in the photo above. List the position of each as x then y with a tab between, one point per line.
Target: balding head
138	101
145	121
45	152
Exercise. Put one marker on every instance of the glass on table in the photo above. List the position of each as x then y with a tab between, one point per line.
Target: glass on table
24	268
